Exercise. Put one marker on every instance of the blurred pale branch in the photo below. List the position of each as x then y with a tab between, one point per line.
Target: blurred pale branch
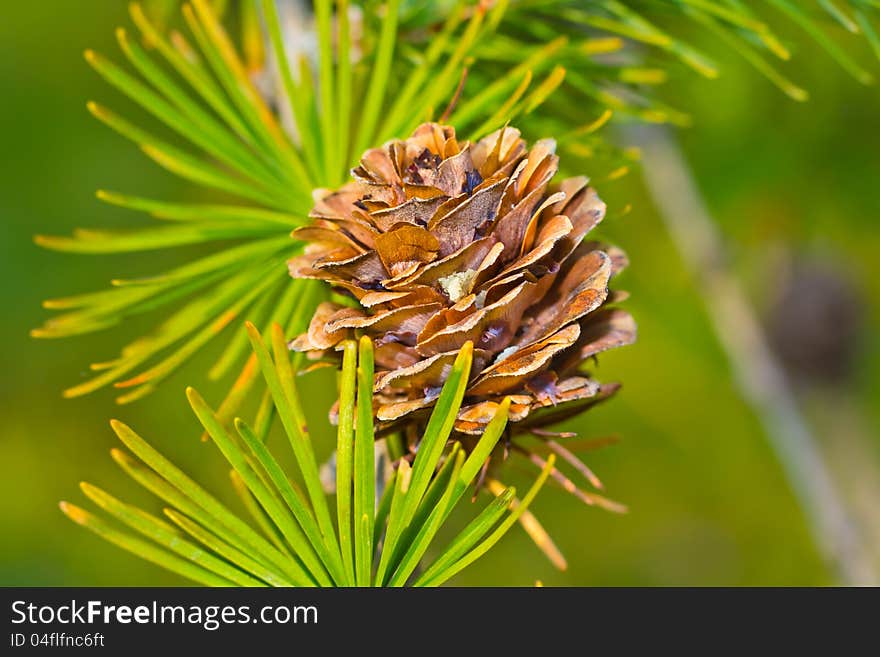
759	376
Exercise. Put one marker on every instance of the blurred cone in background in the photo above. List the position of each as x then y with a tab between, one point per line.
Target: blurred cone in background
814	323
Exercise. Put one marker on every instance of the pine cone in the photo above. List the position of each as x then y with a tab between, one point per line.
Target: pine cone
442	242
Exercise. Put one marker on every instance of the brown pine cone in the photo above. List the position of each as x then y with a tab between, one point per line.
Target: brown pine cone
438	243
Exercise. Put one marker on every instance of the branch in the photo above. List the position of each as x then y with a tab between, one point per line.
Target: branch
758	373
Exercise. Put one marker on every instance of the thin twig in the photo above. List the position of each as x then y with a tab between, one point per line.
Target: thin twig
758	374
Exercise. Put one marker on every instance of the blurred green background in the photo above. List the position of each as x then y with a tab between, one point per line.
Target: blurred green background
709	503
